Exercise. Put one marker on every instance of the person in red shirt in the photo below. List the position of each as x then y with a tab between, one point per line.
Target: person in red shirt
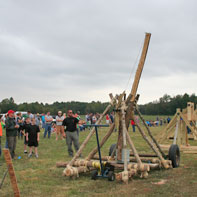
133	125
107	119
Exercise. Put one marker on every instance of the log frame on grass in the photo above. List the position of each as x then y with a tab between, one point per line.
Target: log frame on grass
10	167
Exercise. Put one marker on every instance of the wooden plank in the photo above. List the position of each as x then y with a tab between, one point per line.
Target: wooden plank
10	167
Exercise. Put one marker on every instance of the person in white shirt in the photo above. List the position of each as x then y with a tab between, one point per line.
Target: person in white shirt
48	119
59	126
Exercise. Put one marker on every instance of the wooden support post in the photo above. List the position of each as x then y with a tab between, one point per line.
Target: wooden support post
193	129
149	132
125	174
106	137
133	149
10	167
152	146
162	136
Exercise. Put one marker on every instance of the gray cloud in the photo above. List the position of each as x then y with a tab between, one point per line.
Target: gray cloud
83	50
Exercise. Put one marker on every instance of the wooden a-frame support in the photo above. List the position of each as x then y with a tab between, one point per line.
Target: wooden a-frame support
177	130
179	122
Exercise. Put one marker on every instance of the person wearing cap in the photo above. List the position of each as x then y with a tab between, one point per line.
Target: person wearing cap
11	132
59	126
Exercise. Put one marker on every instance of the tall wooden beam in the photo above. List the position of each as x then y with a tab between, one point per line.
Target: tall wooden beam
140	66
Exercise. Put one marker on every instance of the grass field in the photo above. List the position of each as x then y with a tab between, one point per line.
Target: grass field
40	177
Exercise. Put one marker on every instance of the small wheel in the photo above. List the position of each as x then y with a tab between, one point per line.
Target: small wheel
112	149
111	176
94	174
174	155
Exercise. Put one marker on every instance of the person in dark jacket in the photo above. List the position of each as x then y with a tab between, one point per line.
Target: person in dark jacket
11	132
71	132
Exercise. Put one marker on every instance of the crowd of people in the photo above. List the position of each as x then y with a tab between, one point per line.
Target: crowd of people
27	127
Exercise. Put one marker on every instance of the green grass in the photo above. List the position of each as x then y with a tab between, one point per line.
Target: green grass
40	177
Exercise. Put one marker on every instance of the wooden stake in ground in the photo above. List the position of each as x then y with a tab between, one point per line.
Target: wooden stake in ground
10	167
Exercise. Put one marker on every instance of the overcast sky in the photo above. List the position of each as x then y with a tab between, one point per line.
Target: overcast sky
82	50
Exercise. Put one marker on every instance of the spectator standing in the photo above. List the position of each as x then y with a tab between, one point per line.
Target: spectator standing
133	125
43	121
38	120
161	121
19	120
94	119
71	132
87	117
48	119
26	126
30	115
2	125
33	137
168	120
107	119
59	126
111	118
11	132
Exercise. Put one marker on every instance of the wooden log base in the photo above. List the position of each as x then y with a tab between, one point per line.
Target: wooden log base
120	175
74	171
182	148
125	176
139	167
166	164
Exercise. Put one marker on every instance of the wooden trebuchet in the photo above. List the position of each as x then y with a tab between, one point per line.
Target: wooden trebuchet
120	163
10	167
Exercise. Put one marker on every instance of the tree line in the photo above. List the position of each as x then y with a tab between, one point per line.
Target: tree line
166	105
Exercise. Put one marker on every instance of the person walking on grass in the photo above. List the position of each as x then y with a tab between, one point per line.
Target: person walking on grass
11	132
33	137
48	124
59	126
71	132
